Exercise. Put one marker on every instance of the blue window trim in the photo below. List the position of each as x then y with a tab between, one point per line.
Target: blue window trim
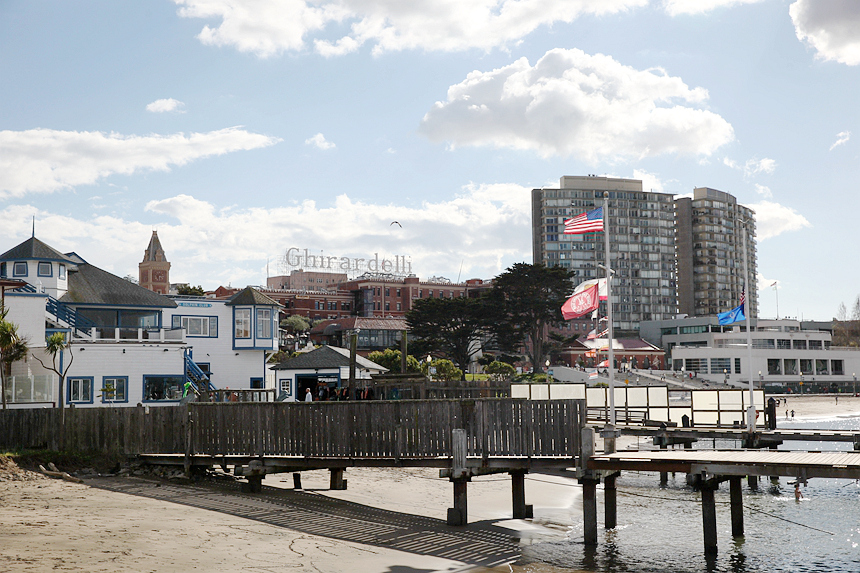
39	269
257	323
3	270
143	387
177	318
15	272
69	389
251	331
259	379
61	271
125	401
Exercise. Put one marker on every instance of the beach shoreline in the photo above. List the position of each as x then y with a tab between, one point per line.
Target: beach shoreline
389	520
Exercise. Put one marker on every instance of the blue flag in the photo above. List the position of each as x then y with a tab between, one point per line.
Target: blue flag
734	315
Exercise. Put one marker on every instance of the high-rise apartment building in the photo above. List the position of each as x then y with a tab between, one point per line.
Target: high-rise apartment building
642	244
710	228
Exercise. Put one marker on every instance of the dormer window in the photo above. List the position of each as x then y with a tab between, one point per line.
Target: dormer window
45	270
19	270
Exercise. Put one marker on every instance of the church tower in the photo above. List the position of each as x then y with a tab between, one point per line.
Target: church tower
154	270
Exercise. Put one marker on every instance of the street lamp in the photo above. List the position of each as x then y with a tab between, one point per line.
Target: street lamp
855	383
548	375
725	376
801	383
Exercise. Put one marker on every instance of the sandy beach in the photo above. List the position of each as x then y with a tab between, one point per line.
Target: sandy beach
387	521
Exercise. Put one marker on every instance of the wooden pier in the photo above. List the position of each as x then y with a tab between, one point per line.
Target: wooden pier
463	438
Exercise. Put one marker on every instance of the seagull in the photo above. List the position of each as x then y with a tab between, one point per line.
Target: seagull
396	223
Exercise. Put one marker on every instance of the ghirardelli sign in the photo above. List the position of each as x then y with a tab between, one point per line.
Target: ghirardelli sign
303	259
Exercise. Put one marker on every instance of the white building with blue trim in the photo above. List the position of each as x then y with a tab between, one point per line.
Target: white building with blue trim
129	345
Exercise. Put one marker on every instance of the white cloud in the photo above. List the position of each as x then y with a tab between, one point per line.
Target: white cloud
756	166
765	192
319	141
676	7
841	137
650	181
572	103
484	227
165	105
270	27
773	219
45	160
752	166
831	27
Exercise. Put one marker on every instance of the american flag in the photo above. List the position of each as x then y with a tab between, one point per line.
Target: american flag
743	296
589	222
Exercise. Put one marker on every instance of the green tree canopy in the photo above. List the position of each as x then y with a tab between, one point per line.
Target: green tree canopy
452	327
445	371
296	323
500	371
12	349
524	301
390	358
188	290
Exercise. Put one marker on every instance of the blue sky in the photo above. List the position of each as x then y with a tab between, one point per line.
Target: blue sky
239	129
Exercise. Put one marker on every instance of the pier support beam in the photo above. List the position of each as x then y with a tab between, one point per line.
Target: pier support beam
254	485
753	482
610	506
336	481
589	510
297	480
709	518
737	506
518	494
459	514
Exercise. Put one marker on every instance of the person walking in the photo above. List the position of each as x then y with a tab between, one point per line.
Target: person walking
308	396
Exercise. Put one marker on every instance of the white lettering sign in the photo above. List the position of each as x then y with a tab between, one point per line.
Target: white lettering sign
303	259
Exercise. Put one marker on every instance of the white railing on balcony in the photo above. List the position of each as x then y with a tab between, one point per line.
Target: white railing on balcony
124	334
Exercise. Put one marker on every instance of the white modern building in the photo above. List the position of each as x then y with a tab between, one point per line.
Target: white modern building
128	345
784	354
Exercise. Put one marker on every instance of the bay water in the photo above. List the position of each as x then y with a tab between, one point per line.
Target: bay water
660	528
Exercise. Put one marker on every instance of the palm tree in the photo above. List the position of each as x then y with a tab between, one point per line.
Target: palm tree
54	345
12	348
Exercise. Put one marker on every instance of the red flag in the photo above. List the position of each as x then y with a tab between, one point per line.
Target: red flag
581	303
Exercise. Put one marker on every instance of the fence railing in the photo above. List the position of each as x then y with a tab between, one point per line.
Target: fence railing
360	429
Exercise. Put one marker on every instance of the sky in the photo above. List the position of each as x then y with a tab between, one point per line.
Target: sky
241	128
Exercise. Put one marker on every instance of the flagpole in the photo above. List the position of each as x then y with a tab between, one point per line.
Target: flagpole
610	361
747	295
776	293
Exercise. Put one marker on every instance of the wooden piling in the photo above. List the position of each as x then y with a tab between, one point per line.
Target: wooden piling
610	506
737	506
589	510
336	481
518	495
297	480
709	518
459	514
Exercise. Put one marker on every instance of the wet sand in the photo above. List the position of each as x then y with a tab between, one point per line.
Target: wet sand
388	521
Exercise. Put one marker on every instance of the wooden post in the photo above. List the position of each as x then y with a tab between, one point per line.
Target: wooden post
664	476
610	506
353	343
753	482
709	518
589	510
404	345
459	514
518	494
189	446
336	481
737	506
297	480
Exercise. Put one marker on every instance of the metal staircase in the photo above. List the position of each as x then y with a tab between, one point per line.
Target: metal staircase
60	314
193	373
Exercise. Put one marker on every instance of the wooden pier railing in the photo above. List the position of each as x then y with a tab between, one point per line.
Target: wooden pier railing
363	429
